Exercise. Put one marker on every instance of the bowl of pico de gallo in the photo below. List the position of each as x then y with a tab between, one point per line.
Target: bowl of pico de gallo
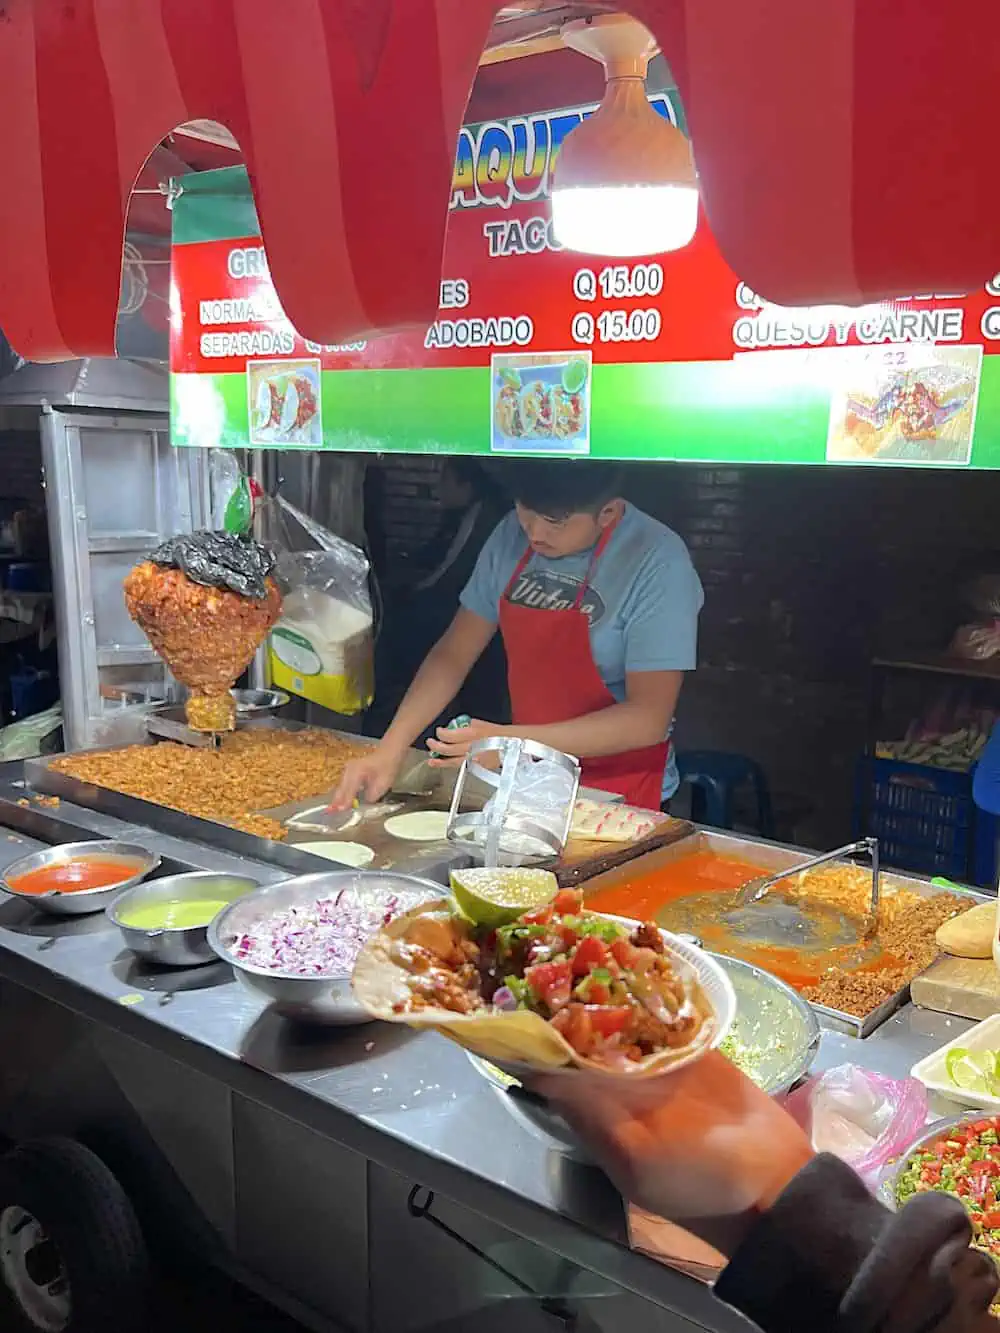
961	1157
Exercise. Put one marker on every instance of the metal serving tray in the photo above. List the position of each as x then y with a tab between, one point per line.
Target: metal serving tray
390	851
771	856
422	858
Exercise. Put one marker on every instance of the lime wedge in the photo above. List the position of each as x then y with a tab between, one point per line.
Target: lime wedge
496	897
974	1071
574	375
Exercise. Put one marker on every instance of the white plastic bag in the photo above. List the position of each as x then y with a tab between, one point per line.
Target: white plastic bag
542	792
865	1119
321	648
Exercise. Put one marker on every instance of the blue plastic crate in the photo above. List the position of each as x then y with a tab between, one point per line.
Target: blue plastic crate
923	817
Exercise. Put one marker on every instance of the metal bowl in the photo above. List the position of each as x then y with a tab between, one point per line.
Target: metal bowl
323	999
889	1180
258	703
771	1018
83	900
184	946
774	1023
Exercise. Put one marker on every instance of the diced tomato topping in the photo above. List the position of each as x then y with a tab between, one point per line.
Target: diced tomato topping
551	982
607	1020
598	993
590	953
568	902
567	935
540	918
623	952
580	1024
574	1023
991	1220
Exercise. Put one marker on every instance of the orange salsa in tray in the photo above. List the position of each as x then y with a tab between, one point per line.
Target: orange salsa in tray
690	889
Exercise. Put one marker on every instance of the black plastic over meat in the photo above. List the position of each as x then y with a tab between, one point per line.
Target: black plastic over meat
218	560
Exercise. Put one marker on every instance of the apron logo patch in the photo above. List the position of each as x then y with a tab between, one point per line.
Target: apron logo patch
542	590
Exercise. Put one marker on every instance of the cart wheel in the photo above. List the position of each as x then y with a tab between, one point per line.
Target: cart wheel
72	1257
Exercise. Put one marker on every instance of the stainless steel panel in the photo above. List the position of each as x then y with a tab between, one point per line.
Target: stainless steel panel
422	1281
187	1115
119	466
114	488
302	1213
114	628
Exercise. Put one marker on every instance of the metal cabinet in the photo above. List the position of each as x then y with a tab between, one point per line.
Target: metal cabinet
114	489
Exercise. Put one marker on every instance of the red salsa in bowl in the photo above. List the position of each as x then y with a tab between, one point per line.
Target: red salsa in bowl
73	876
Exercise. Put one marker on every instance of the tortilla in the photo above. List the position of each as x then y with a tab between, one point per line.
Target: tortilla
347	853
971	934
524	1039
419	826
606	821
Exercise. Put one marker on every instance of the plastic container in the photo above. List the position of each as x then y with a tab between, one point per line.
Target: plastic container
932	1070
923	817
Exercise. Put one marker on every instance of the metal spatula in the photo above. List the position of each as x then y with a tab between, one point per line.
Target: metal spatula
788	918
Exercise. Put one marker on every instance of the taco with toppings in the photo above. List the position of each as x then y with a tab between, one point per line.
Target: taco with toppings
508	411
536	409
558	986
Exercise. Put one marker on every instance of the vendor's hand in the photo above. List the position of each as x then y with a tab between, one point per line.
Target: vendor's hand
702	1146
369	777
451	744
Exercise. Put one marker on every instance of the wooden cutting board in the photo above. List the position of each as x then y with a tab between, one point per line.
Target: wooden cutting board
583	858
968	987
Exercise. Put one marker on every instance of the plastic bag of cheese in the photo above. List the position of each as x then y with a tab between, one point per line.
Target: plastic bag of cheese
322	646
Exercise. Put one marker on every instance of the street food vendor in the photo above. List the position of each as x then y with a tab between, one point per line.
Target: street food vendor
597	605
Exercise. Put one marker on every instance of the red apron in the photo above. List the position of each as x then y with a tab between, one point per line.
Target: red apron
552	677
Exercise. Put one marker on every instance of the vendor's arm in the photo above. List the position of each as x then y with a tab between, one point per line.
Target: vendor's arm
642	719
438	680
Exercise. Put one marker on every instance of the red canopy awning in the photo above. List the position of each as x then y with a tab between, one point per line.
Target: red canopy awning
841	144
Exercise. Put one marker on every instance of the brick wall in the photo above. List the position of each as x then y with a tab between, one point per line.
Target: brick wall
809	573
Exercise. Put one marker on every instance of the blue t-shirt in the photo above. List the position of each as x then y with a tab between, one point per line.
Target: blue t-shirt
643	598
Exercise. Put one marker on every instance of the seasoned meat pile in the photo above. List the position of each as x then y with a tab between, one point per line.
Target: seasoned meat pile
184	600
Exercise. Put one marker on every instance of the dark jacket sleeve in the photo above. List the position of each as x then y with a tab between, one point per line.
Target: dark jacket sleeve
829	1258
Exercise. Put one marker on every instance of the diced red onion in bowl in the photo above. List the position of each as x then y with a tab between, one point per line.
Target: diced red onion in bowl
318	939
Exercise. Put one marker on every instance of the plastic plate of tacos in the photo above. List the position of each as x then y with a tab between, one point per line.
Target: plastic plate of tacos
520	973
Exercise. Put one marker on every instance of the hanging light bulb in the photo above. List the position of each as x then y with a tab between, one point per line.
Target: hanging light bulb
624	181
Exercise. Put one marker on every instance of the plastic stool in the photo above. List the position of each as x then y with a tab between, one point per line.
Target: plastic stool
715	778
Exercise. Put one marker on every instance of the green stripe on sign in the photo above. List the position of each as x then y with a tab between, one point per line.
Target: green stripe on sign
748	410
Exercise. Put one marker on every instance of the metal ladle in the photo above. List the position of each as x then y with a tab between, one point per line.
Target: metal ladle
753	890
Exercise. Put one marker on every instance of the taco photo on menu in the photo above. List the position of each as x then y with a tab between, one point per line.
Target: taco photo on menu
508	411
554	986
536	409
568	413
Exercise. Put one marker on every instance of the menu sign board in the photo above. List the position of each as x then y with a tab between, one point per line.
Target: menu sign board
542	351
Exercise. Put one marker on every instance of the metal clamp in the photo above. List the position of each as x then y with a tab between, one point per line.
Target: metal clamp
550	1305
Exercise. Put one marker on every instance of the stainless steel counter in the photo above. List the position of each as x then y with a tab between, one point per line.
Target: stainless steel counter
408	1104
